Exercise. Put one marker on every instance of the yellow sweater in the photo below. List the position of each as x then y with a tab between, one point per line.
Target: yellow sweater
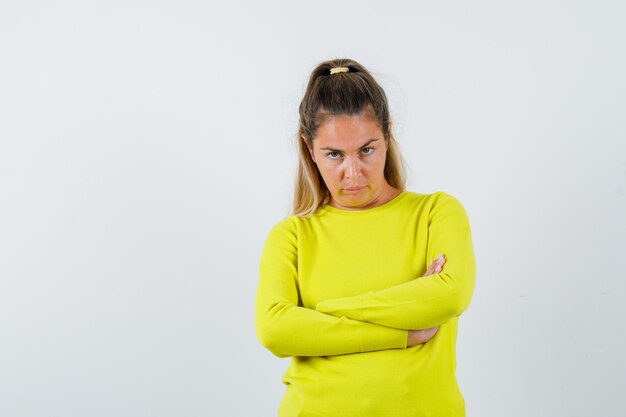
337	292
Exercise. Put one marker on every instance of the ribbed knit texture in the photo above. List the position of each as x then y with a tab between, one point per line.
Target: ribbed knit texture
338	291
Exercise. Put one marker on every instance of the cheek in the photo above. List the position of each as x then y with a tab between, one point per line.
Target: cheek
381	161
375	164
375	170
328	170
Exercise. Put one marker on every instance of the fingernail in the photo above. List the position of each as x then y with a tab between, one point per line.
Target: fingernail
440	256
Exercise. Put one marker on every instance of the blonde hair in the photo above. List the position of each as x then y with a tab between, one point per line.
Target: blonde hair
340	93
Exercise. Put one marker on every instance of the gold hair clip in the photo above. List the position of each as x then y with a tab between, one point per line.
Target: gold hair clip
339	69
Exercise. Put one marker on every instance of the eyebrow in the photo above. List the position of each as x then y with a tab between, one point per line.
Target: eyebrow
328	148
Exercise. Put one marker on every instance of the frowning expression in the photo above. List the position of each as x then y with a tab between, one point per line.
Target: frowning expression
350	153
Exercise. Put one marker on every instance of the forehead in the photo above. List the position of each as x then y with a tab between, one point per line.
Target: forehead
347	131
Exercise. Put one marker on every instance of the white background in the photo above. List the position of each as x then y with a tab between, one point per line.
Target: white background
146	148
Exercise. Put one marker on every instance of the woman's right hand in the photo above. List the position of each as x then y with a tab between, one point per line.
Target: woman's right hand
416	337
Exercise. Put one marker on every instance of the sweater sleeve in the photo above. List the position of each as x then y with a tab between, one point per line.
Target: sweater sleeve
428	301
286	328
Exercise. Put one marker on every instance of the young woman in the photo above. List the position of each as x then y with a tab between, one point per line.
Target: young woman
363	284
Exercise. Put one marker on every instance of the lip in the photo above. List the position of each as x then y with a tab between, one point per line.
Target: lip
353	190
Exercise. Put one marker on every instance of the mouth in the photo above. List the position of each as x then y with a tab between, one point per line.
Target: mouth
353	190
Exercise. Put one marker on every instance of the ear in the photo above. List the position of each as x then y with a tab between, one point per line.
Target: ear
308	147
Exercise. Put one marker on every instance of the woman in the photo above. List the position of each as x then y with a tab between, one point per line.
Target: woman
351	286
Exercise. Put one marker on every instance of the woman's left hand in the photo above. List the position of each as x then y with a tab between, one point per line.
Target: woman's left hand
416	337
436	266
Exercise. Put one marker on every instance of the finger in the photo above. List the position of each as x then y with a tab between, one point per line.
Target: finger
427	335
434	264
429	330
432	331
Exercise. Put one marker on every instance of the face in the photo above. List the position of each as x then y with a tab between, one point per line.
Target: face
350	154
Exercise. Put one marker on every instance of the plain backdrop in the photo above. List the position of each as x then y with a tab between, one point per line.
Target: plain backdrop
146	149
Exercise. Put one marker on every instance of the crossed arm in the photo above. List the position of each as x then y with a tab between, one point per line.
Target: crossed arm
288	329
395	317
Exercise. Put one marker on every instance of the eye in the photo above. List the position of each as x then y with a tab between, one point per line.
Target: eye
333	155
367	150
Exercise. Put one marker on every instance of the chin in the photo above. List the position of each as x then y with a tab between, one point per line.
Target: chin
355	201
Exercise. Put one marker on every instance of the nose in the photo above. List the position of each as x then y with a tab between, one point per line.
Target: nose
353	169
